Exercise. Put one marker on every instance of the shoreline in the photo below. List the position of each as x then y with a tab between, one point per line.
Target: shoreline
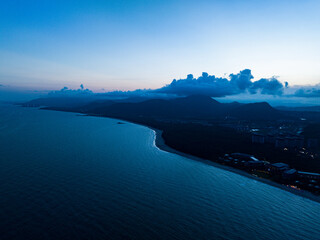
160	144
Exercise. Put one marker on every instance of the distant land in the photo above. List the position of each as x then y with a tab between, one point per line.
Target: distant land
195	106
301	109
203	127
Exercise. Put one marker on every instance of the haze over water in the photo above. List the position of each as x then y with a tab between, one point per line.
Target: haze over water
66	176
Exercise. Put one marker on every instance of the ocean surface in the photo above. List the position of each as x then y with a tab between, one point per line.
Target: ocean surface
67	176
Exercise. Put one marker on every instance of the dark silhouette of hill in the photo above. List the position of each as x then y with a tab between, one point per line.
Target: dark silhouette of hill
195	106
300	109
190	107
61	102
93	107
256	111
187	107
311	113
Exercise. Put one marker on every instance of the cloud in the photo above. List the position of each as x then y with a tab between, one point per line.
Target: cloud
267	86
242	80
210	85
311	92
220	87
65	92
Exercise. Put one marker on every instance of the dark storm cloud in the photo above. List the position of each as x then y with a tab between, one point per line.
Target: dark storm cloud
220	87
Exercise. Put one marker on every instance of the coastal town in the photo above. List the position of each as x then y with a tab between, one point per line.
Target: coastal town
279	172
286	136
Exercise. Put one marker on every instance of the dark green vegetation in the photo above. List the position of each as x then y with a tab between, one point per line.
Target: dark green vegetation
204	127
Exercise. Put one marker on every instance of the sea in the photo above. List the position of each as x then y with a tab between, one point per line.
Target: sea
69	176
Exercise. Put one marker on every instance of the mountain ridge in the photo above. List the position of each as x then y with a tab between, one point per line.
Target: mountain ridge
193	106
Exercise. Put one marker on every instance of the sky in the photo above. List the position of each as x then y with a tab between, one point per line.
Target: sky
125	45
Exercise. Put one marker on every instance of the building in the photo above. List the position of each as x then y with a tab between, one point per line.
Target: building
258	165
289	142
290	174
312	143
295	142
280	143
278	168
309	176
258	138
270	139
243	157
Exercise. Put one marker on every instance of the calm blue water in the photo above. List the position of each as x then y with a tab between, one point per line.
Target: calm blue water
64	176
